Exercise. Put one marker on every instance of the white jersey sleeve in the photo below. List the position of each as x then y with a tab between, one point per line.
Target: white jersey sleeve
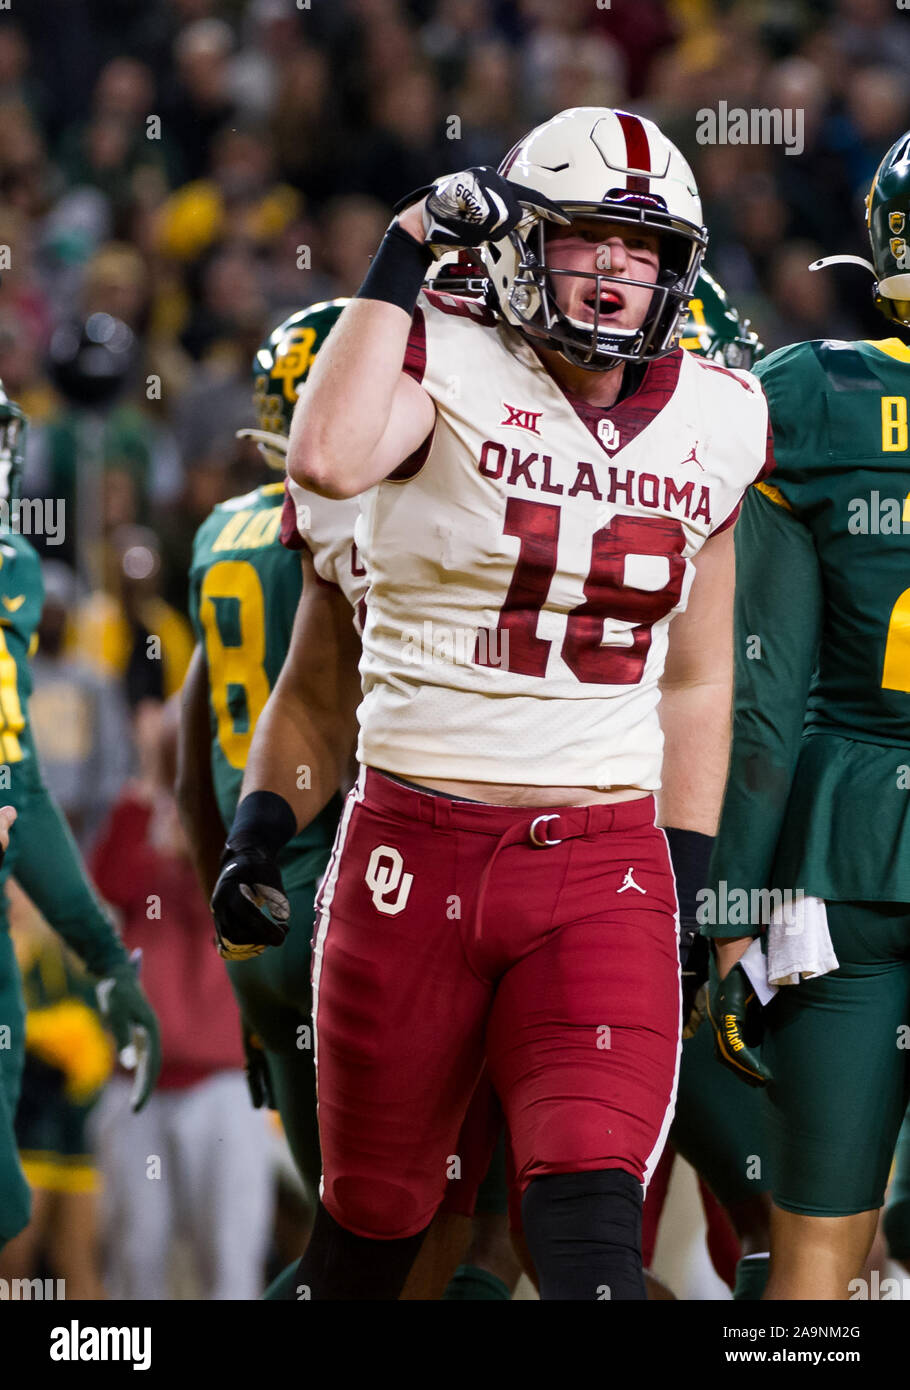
325	527
526	562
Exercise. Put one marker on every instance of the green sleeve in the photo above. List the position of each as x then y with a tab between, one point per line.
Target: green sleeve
778	621
49	869
196	572
790	377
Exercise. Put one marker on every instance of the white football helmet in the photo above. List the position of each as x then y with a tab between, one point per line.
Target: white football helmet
599	163
458	272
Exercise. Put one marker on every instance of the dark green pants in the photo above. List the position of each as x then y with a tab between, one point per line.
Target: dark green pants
15	1197
718	1125
275	998
839	1050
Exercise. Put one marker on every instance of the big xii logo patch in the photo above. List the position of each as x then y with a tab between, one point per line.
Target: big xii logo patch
521	419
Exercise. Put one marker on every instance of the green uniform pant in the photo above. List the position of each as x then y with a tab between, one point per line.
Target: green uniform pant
839	1051
718	1125
275	998
15	1197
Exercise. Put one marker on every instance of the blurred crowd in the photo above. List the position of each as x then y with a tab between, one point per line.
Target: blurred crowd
201	168
198	169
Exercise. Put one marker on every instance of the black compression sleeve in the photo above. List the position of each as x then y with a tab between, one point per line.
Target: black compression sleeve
398	270
263	820
690	853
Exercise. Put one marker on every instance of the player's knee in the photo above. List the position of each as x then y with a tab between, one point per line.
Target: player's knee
380	1210
573	1134
584	1234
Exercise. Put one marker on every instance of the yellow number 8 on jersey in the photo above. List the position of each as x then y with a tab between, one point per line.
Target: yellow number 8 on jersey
12	721
894	424
239	664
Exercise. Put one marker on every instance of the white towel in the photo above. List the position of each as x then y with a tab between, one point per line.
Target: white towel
799	943
755	963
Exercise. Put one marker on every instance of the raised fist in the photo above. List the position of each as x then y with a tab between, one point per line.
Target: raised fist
478	205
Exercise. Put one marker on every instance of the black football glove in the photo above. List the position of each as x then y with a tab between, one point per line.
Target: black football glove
258	1077
690	854
736	1017
478	205
249	904
694	979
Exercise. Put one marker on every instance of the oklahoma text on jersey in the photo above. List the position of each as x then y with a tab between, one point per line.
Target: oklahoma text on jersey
577	544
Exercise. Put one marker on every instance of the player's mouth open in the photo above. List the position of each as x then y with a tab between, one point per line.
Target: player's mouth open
611	302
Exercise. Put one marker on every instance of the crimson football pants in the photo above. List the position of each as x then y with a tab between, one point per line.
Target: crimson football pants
447	932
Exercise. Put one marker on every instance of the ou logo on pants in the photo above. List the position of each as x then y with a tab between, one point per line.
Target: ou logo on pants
384	875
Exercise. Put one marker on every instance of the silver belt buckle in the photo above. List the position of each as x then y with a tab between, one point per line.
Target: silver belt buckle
535	837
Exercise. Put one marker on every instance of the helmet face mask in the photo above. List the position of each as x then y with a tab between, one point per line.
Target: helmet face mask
611	167
598	346
13	425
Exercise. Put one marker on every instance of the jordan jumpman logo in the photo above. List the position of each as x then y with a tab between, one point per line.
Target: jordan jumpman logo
629	882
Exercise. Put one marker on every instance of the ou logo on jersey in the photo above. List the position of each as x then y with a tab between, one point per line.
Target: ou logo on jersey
384	875
608	435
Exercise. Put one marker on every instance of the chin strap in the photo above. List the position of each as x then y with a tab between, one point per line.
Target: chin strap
888	291
842	260
276	443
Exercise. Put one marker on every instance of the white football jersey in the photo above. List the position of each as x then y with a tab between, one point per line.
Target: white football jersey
525	563
325	527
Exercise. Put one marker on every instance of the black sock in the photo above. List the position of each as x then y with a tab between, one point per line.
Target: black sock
584	1234
341	1266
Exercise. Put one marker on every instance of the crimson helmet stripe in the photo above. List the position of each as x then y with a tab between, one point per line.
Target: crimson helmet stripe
510	158
638	151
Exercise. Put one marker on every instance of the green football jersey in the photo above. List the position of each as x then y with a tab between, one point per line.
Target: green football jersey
42	854
818	796
21	601
839	414
244	590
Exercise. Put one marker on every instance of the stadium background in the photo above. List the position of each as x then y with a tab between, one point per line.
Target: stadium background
199	170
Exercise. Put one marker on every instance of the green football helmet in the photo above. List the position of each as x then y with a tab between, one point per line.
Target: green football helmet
715	330
887	216
13	426
280	368
888	223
